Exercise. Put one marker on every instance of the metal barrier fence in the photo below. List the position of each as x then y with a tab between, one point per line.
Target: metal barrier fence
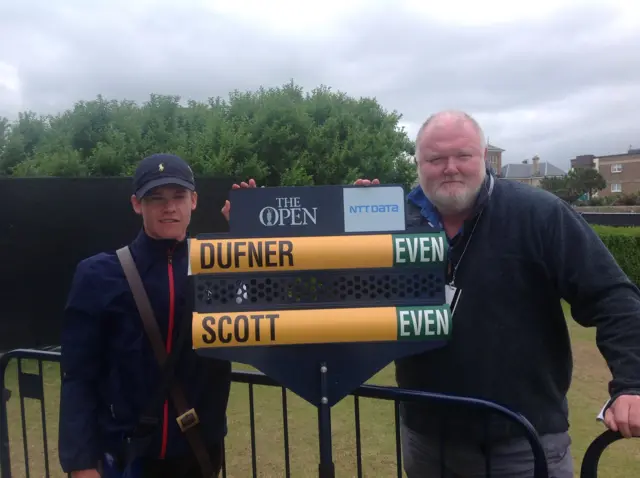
32	385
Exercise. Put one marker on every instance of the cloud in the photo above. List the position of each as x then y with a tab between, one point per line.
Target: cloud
10	90
554	79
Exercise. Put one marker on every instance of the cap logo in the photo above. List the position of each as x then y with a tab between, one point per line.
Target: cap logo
161	167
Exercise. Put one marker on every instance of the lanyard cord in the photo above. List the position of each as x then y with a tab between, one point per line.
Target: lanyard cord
455	269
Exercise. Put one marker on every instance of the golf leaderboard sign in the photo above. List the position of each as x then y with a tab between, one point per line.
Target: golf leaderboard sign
319	288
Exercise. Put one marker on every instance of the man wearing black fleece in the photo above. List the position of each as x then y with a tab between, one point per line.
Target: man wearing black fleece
515	251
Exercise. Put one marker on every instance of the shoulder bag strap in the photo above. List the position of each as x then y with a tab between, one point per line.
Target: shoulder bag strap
187	417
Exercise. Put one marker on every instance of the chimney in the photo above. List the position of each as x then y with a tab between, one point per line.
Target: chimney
536	165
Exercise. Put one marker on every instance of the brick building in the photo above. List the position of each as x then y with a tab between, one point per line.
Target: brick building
494	158
621	171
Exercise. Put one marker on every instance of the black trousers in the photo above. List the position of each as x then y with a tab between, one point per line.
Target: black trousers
182	467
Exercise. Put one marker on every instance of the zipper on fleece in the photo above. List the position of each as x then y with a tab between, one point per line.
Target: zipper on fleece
172	298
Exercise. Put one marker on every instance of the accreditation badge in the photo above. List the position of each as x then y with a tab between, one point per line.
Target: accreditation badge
452	296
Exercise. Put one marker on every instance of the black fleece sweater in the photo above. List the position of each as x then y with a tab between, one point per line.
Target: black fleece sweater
510	342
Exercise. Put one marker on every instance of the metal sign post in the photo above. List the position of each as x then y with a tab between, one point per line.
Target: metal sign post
319	288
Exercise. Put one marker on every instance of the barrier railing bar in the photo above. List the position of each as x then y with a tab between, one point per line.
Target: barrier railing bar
285	427
591	459
589	467
43	417
24	420
356	416
369	391
252	427
326	467
540	462
5	470
396	411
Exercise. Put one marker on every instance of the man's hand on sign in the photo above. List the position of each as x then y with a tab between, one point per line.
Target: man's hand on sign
624	416
226	209
365	182
85	474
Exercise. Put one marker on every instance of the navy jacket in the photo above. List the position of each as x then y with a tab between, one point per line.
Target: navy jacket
109	370
525	251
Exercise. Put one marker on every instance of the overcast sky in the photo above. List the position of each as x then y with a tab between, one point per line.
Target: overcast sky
554	78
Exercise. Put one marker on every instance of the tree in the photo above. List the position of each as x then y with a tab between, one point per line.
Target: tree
575	184
588	180
279	136
562	187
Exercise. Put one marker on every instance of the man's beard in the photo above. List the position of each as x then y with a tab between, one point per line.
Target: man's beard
458	203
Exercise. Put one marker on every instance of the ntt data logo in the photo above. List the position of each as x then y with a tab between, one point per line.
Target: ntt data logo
374	209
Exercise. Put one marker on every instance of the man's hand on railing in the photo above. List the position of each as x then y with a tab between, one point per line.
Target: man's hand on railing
624	416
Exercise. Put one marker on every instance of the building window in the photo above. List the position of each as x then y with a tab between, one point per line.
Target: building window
616	187
616	168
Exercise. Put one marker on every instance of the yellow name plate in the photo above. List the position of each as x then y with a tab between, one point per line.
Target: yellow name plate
315	253
290	327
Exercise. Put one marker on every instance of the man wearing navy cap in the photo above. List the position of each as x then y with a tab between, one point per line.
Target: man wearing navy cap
116	417
162	170
164	195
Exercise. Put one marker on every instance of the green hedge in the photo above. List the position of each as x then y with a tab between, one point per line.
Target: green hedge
624	244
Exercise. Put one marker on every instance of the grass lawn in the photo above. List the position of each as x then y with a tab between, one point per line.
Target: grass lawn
587	395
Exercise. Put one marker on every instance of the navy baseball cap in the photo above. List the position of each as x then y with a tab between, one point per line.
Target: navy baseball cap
161	170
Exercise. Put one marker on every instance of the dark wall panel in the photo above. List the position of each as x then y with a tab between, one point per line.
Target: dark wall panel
620	219
49	224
